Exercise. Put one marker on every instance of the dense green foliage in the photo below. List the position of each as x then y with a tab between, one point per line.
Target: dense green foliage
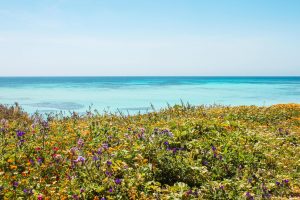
182	152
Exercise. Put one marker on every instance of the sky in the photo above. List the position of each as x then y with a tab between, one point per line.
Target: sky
149	37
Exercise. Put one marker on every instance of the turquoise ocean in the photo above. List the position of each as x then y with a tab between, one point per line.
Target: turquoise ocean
134	94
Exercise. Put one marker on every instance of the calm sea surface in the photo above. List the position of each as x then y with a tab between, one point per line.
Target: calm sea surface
134	94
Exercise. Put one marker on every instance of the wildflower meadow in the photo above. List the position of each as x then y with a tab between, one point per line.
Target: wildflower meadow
181	152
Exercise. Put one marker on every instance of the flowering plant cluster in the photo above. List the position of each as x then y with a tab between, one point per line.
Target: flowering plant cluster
182	152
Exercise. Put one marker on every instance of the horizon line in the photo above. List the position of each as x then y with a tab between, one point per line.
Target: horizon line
95	76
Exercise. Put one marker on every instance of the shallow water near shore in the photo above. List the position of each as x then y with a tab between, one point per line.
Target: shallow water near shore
134	94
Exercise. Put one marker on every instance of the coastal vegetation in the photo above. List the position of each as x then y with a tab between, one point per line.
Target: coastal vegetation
181	152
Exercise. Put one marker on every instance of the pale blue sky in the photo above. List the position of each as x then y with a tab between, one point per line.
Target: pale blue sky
153	37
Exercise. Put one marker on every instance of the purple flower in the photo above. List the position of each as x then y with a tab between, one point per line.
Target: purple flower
28	191
80	159
213	148
21	142
103	198
105	146
165	131
110	190
189	192
205	163
196	193
166	143
267	195
75	196
95	158
73	150
174	150
40	160
141	136
285	181
108	163
249	196
80	142
99	151
222	187
81	190
20	133
15	184
107	173
277	183
45	124
118	181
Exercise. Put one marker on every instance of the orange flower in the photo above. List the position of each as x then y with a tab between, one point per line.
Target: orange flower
13	167
24	173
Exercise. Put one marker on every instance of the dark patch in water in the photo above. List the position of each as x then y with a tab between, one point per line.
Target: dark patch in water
58	105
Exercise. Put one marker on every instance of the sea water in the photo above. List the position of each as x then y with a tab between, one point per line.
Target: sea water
134	94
